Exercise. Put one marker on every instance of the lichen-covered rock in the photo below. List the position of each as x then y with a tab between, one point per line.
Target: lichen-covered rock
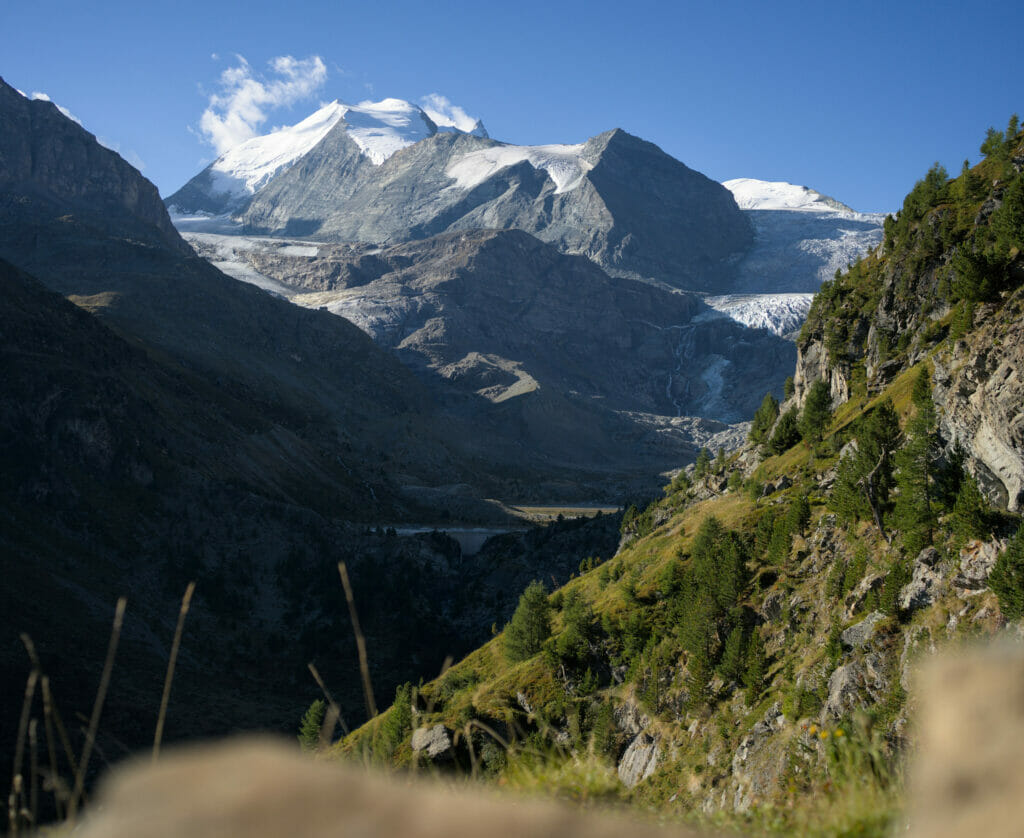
977	559
639	760
926	584
854	685
859	634
435	741
757	763
855	599
630	719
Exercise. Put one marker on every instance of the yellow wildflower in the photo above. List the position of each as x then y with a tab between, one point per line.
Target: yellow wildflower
823	735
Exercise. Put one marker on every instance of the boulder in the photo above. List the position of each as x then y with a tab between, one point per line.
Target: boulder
926	584
435	741
856	636
977	559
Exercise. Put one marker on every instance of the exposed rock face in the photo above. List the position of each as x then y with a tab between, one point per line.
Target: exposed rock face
854	685
977	559
44	153
857	636
980	394
639	760
757	763
927	582
634	210
501	315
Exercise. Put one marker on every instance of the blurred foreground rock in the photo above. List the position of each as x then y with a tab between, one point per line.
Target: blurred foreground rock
966	777
258	788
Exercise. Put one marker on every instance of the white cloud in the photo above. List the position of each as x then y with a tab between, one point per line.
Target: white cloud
446	115
44	98
239	109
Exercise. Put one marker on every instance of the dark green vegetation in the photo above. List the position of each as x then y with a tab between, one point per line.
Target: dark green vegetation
749	650
163	423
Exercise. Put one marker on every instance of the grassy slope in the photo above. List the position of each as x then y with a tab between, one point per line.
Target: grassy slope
842	776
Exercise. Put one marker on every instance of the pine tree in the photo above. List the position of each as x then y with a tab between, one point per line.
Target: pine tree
789	386
757	668
703	464
698	668
971	517
786	433
397	722
733	661
915	512
864	479
1007	579
895	579
764	418
530	625
817	412
799	515
309	728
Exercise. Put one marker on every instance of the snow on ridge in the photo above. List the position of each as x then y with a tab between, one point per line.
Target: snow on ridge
382	128
754	194
563	163
378	128
242	170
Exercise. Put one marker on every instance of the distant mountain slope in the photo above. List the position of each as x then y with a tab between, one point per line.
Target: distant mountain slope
501	315
801	237
616	199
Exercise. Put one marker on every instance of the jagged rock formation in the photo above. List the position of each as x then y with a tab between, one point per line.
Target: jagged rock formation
616	199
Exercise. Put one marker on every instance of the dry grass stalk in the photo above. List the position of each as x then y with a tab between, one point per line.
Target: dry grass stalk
51	749
364	667
33	763
50	706
333	715
26	708
97	709
186	600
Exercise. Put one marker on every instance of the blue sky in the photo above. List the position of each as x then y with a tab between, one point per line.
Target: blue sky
855	100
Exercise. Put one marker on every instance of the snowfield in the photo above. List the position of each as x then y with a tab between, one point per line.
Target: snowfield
801	237
778	195
563	163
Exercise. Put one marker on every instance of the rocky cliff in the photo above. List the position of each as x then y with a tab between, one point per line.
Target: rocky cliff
946	286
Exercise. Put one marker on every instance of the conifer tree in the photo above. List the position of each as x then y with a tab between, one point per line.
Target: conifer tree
1007	579
764	418
703	464
309	727
971	518
817	412
733	662
530	625
866	476
786	433
915	512
756	669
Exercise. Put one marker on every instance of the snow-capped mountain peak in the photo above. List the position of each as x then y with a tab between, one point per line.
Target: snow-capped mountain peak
778	195
378	128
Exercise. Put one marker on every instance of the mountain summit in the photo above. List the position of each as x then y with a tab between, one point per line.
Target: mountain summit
385	172
379	129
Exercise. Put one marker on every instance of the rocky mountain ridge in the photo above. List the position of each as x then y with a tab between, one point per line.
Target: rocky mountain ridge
616	199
